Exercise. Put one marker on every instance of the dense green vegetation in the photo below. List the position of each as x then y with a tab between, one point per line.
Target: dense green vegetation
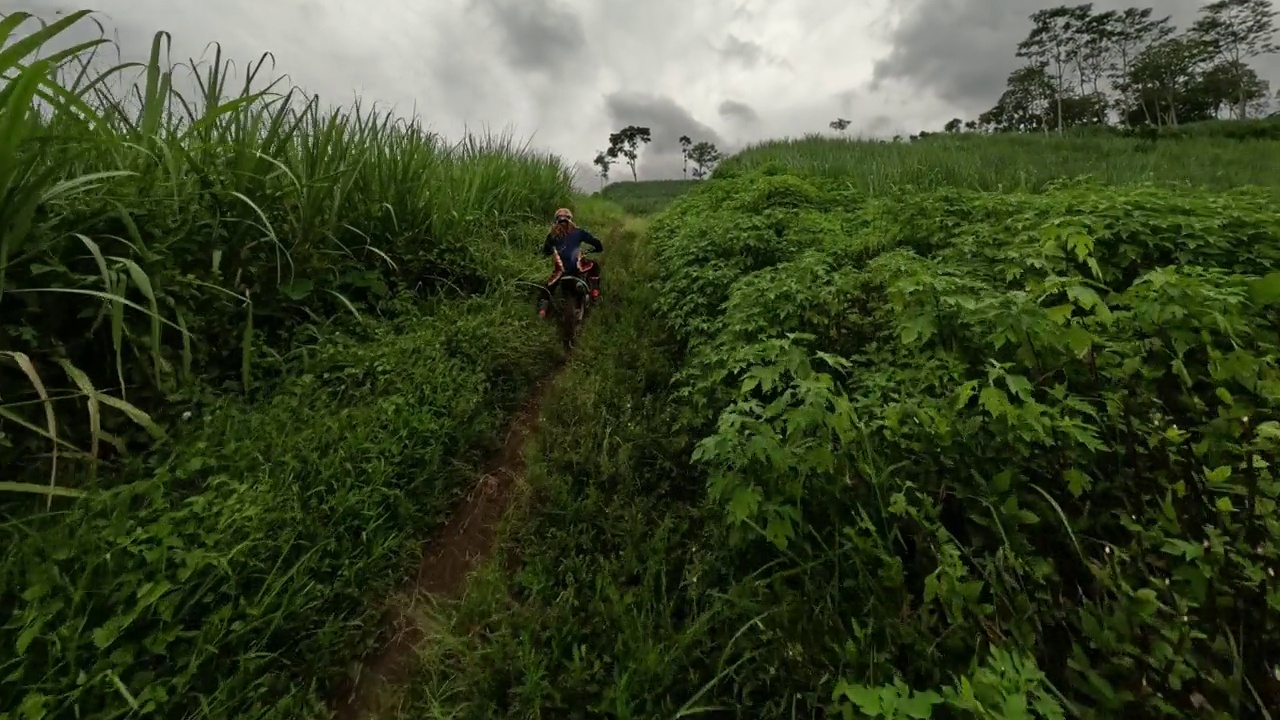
646	196
967	442
316	314
976	426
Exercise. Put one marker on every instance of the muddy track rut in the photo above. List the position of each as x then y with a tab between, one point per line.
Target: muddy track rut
456	549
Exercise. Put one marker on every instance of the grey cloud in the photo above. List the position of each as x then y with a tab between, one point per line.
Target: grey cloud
735	111
747	52
586	177
667	121
854	105
878	126
538	35
963	50
471	64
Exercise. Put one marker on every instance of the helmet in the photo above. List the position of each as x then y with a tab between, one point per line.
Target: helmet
564	215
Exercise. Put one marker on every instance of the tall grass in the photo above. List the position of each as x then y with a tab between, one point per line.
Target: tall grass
1015	162
151	240
268	267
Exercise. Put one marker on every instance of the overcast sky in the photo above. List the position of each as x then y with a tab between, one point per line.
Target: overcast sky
566	73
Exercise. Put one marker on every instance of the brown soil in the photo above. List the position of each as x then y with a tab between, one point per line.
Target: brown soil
457	549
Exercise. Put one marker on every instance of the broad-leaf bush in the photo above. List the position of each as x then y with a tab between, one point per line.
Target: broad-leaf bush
1039	422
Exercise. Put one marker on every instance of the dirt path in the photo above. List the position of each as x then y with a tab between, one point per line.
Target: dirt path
461	545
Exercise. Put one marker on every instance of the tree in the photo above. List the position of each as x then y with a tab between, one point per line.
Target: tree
1090	109
1261	105
839	125
1133	33
1055	43
1167	79
626	143
1026	105
704	156
1097	49
603	161
1230	84
685	143
1234	31
953	125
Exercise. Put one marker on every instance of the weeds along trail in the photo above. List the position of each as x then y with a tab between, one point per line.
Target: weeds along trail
465	541
582	612
469	538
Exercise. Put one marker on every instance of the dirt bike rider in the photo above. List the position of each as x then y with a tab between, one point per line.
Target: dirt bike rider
564	244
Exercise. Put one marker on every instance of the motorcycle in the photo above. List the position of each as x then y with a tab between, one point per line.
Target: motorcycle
571	298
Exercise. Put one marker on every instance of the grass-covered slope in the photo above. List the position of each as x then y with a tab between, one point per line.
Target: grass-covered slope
1011	162
647	196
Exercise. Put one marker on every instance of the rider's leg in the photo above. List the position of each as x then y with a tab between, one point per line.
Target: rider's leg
593	279
544	299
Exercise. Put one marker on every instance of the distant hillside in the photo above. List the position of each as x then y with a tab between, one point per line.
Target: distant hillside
646	196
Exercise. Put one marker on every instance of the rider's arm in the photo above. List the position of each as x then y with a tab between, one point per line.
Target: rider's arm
591	241
548	246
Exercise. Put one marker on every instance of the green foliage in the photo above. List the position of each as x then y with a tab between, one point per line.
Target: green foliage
1040	421
245	564
1005	688
648	196
607	598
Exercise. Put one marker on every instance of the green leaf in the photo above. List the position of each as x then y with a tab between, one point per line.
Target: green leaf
298	289
1078	339
8	486
994	400
867	699
1077	482
1060	314
919	705
745	503
1269	430
1265	290
1083	296
1019	385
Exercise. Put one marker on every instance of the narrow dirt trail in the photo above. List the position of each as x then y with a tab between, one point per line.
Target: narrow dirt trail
459	547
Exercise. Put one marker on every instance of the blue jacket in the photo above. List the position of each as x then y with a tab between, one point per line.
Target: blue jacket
568	250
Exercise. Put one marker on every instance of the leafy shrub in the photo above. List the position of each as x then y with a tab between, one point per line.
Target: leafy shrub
1044	422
